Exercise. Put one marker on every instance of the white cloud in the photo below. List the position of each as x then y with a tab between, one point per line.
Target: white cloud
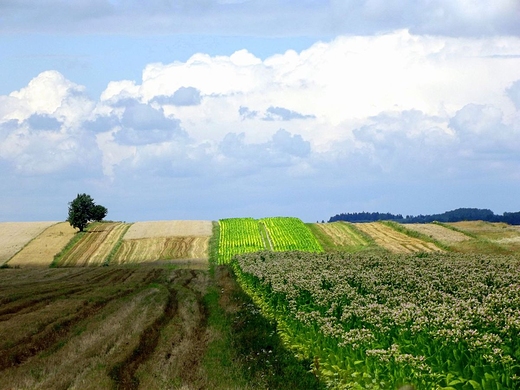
392	108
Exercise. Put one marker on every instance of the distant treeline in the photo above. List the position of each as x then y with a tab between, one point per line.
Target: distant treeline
462	214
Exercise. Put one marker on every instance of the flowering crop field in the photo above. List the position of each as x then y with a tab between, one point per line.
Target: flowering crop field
245	235
430	320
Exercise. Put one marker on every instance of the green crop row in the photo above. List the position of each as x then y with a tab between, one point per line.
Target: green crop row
245	235
431	321
290	234
237	236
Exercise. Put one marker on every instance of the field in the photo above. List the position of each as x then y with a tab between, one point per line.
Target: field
339	236
137	327
40	251
15	235
337	305
395	241
95	244
165	240
432	321
438	232
244	235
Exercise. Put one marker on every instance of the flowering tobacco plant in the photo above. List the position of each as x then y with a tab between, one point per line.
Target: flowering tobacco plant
380	321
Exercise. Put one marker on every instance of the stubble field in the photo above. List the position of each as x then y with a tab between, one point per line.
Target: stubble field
394	241
15	235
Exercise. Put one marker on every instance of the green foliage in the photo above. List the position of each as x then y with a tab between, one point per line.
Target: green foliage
238	235
246	235
82	210
290	234
434	321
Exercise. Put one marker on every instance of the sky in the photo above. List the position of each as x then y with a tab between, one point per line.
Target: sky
210	109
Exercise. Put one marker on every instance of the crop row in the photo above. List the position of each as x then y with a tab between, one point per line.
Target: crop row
246	235
435	321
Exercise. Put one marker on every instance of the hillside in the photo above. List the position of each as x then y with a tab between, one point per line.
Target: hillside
145	305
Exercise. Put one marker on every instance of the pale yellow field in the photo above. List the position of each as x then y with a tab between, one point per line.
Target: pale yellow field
174	228
15	235
394	241
437	232
41	250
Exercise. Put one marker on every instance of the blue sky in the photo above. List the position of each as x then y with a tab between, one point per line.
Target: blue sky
207	109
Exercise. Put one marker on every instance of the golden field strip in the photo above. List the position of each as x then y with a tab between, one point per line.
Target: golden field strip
394	241
15	235
438	232
164	240
342	235
95	244
41	250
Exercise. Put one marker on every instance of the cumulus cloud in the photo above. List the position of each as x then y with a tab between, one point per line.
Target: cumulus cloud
283	114
514	93
395	108
184	96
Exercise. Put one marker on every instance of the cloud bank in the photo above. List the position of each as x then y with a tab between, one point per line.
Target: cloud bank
357	123
263	17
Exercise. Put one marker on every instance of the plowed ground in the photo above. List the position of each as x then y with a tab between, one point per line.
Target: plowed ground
95	245
15	235
394	241
40	251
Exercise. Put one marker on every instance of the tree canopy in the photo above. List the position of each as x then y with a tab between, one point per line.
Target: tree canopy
83	210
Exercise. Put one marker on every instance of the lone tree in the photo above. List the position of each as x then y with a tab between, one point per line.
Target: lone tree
82	210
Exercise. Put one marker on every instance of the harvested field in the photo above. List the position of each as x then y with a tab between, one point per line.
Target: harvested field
161	248
394	241
136	327
40	251
95	245
438	232
15	235
499	237
94	328
175	228
342	235
489	230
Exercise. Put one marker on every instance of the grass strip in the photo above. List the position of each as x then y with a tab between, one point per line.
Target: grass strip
324	239
116	246
66	249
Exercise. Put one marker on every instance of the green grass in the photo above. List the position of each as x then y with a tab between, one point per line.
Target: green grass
116	246
73	241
